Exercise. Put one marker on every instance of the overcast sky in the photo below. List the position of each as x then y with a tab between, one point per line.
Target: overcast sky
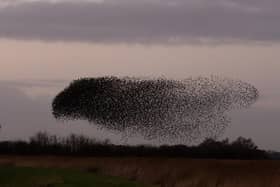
45	44
145	21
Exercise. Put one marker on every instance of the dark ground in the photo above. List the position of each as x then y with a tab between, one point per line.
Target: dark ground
165	172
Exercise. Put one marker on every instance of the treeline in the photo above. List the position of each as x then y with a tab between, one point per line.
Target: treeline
74	145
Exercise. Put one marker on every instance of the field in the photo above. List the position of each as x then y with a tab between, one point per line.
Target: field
41	177
165	172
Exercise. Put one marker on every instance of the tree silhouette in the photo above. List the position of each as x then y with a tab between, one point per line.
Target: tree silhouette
76	145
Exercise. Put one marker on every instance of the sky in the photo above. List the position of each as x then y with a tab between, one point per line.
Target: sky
45	44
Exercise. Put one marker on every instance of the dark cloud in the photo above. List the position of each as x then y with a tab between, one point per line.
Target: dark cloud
148	21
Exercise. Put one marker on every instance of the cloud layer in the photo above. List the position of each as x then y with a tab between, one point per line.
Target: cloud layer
147	21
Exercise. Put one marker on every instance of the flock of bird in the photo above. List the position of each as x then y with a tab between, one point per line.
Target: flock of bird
173	111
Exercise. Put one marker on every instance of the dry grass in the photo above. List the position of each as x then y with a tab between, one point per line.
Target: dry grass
168	172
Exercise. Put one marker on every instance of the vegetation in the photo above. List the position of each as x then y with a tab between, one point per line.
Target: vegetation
73	145
31	177
161	172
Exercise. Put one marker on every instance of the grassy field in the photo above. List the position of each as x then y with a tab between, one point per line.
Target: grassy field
41	177
163	172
